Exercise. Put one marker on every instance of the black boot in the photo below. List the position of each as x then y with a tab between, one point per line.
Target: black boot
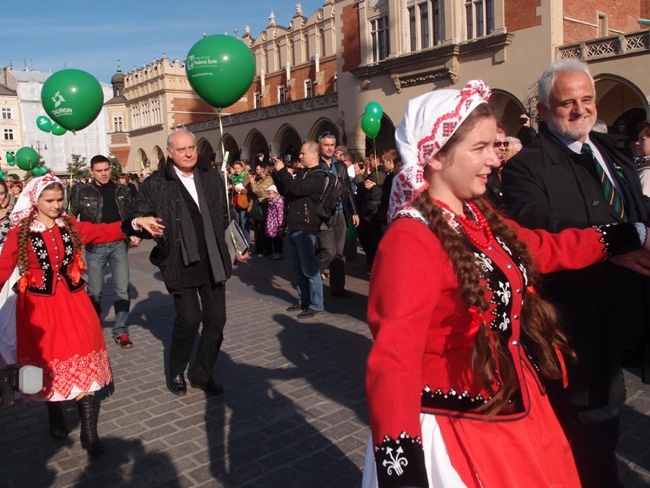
58	429
88	413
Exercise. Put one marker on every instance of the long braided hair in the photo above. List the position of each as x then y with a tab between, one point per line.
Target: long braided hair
539	320
23	234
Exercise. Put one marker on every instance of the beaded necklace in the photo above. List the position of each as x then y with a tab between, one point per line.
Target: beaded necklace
470	227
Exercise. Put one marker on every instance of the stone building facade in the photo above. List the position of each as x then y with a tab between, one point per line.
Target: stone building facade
318	73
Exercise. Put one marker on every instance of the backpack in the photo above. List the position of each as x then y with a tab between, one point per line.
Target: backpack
328	198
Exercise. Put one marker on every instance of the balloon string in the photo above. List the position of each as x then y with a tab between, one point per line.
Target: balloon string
224	163
374	149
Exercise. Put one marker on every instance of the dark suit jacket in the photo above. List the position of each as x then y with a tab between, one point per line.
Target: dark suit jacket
347	195
548	186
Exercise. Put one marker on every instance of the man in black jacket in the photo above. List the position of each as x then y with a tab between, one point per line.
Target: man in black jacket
103	201
570	176
190	198
331	237
300	194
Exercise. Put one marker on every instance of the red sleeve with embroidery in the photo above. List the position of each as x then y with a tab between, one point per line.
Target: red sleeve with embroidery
9	256
407	278
573	249
98	233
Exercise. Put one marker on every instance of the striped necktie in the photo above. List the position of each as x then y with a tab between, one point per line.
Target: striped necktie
611	194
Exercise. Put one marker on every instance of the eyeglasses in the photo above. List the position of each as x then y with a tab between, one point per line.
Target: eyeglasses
501	143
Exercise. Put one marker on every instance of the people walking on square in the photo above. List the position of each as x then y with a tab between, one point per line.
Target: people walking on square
572	176
257	185
190	197
461	337
300	193
57	328
331	236
275	222
240	194
104	201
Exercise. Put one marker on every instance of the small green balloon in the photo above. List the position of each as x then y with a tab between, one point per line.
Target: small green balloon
370	125
57	130
10	157
2	174
26	158
72	98
44	123
220	69
373	108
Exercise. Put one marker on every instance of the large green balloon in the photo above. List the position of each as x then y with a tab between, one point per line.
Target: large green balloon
26	158
370	125
373	108
72	98
44	123
57	130
220	69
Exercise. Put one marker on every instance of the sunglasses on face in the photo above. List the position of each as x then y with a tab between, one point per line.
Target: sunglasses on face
501	143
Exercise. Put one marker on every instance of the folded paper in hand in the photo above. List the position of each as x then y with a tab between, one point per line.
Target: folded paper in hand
235	240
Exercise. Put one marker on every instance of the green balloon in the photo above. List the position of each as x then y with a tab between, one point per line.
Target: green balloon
72	98
44	123
370	125
374	109
220	69
9	157
57	130
27	158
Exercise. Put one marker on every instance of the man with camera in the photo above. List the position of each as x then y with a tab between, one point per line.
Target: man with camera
300	192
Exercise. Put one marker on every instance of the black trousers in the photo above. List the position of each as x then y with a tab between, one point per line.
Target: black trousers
190	312
331	242
592	434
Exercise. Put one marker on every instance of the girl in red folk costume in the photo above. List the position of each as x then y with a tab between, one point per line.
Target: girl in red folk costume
57	327
462	341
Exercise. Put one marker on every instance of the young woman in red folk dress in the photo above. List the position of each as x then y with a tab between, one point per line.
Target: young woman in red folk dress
462	341
57	328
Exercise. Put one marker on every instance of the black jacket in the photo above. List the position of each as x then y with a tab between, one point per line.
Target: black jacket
160	195
548	186
300	195
347	195
86	203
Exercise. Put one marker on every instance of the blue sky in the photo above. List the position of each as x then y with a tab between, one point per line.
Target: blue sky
89	35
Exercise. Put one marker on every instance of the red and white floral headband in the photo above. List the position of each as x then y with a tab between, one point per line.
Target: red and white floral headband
26	202
429	122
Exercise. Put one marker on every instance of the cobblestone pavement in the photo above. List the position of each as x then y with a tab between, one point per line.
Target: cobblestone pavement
293	414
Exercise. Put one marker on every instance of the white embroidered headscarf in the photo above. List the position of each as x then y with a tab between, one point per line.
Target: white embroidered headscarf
26	203
429	121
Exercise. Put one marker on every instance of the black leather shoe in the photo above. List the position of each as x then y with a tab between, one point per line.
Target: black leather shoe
210	388
308	313
176	384
295	307
341	293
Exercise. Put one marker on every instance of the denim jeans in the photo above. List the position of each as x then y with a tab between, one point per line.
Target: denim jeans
242	218
301	249
115	256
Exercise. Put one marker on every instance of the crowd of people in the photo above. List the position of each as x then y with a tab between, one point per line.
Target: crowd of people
511	328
